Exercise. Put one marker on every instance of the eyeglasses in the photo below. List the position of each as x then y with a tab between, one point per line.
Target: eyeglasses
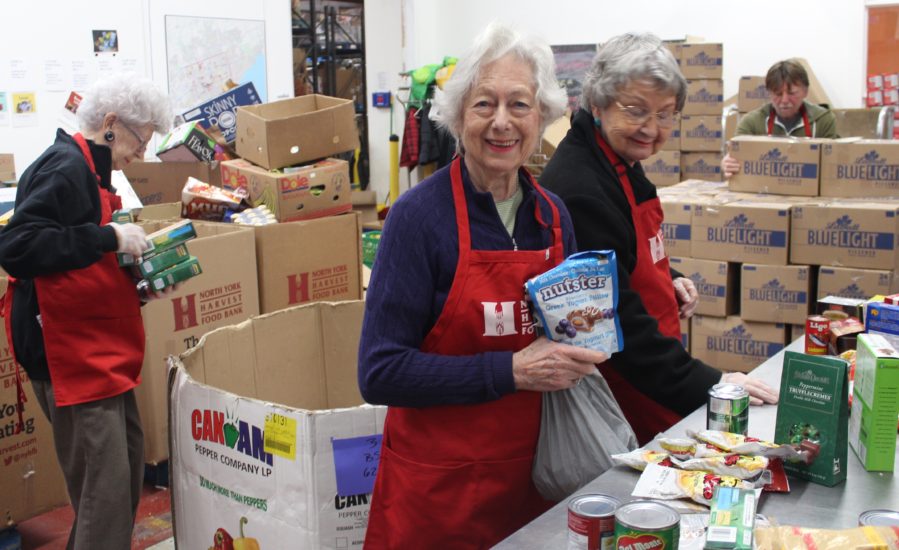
142	144
638	116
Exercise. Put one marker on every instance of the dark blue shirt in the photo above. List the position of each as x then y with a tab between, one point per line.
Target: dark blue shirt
411	279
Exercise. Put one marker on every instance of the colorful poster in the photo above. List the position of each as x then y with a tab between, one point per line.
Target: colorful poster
24	109
572	62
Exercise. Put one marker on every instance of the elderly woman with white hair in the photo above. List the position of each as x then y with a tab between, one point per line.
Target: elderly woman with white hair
631	99
447	341
74	314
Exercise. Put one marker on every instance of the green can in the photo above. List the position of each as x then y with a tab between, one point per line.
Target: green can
646	525
728	409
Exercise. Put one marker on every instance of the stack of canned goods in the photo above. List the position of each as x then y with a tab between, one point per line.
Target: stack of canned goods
601	522
728	409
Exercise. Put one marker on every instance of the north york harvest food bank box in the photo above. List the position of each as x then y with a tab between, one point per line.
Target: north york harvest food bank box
305	192
225	293
777	165
845	234
268	425
29	472
860	168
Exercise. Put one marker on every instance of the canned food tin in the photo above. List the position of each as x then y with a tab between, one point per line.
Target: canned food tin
817	332
728	409
591	522
881	517
646	524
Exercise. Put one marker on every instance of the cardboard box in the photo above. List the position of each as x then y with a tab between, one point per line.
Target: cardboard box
676	225
700	133
554	134
309	261
7	167
165	211
814	409
816	93
292	131
220	111
701	166
162	182
227	292
860	168
753	93
704	97
366	203
268	424
306	192
852	282
872	422
716	284
742	232
777	165
29	472
775	293
674	46
732	344
860	122
704	60
673	141
663	168
883	319
185	143
845	234
731	120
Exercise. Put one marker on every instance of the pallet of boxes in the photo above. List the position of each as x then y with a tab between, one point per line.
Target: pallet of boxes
269	438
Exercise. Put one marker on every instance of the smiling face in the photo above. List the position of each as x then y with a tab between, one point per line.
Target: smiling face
788	100
636	142
501	121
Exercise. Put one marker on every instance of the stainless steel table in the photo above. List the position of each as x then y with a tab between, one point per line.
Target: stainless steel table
807	504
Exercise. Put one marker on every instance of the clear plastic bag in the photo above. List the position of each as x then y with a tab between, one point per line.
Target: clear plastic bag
580	428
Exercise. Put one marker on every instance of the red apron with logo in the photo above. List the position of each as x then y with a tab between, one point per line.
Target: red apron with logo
805	125
459	476
651	279
91	320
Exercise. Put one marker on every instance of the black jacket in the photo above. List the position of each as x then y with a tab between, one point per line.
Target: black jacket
587	182
55	228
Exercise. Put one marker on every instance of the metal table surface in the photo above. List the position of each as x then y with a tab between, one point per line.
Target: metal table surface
807	504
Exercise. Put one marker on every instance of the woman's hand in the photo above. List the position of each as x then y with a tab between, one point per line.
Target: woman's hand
549	366
759	392
687	297
729	166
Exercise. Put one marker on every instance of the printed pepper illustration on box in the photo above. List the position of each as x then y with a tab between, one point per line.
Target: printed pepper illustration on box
223	541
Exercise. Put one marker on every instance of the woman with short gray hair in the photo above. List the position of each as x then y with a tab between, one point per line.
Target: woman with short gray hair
447	343
631	102
75	314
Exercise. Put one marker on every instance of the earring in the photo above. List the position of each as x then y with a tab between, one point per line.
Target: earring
596	121
109	136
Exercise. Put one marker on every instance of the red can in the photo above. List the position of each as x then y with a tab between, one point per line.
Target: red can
591	522
817	332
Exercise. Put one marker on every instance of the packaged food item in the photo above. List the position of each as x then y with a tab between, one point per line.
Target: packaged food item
639	458
640	525
731	519
167	237
259	215
201	201
659	482
739	466
685	448
169	277
576	301
591	522
790	537
125	215
154	263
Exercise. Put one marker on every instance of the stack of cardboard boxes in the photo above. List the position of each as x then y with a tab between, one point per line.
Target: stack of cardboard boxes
802	220
694	147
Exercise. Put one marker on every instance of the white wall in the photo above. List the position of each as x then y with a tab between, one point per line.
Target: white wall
830	34
57	30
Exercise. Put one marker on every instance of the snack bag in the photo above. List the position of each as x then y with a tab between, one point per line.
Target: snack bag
670	483
790	537
745	445
201	201
685	448
734	465
639	458
576	301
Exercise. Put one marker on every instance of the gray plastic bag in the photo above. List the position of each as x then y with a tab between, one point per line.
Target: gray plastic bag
580	428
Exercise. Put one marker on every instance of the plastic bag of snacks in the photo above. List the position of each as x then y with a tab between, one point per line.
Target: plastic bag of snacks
670	483
745	445
789	537
576	301
685	448
639	458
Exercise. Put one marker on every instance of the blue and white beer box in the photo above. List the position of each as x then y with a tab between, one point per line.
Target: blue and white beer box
776	165
860	168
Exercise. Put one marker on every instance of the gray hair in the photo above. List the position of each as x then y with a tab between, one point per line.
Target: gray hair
135	99
497	41
629	57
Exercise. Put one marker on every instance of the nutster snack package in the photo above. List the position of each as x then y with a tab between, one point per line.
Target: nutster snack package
576	301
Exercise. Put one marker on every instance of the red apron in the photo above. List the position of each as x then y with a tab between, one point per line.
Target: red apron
460	476
805	125
651	279
91	320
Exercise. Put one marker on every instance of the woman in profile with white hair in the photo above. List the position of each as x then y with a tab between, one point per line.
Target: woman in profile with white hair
447	341
74	314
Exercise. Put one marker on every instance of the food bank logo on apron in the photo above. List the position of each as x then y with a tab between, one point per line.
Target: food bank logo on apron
500	318
657	247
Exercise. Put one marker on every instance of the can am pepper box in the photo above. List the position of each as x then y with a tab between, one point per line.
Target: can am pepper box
267	424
